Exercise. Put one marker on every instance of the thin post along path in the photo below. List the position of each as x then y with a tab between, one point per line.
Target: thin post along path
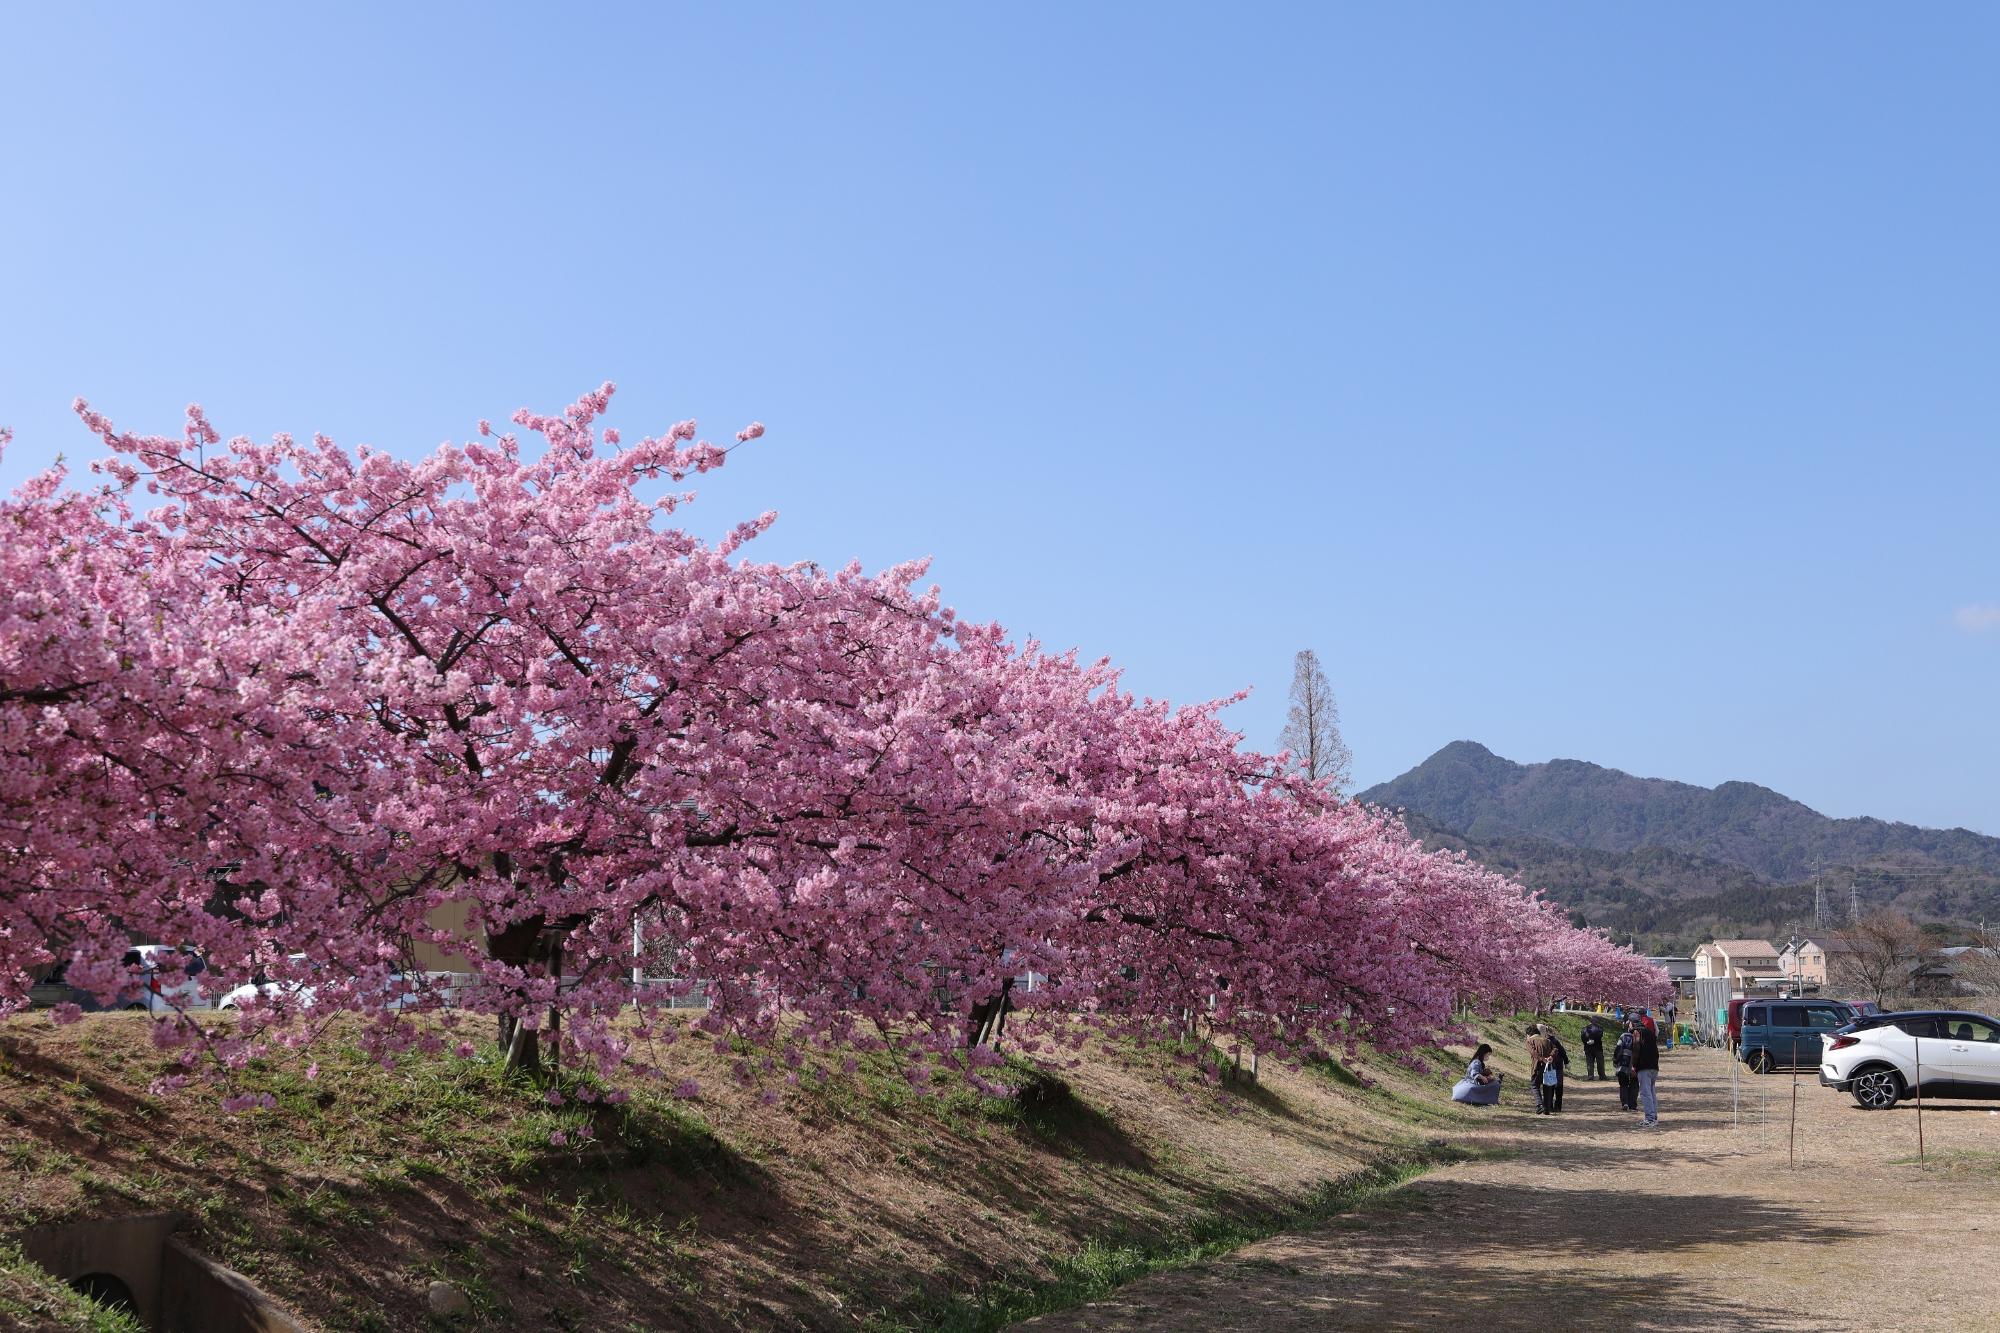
1587	1221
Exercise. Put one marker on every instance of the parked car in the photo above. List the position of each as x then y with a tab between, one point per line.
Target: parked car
156	959
1785	1034
54	989
155	989
302	993
1939	1052
261	987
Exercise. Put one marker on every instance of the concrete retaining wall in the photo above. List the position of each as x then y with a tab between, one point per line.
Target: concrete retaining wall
173	1289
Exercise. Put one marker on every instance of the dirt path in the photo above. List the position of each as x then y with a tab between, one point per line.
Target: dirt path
1589	1222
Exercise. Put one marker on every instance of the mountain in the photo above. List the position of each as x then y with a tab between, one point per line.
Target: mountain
1467	787
1666	858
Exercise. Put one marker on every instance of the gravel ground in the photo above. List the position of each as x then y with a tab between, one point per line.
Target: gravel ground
1588	1221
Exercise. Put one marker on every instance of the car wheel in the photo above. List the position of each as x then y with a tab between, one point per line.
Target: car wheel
1877	1089
1762	1062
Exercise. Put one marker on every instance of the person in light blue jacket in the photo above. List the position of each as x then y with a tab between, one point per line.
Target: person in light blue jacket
1480	1086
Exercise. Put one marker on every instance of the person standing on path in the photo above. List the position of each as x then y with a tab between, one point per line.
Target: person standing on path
1621	1060
1593	1050
1646	1065
1538	1064
1559	1058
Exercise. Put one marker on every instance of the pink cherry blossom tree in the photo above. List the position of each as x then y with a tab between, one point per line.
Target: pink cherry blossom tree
314	697
107	765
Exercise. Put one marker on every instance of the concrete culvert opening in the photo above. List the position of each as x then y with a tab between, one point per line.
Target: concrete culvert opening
107	1290
138	1266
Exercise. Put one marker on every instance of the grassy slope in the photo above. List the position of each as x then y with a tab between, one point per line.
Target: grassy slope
30	1299
849	1204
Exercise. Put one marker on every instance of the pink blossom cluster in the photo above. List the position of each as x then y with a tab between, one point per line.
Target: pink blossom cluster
298	706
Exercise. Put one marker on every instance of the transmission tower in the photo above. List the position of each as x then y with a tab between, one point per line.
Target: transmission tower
1819	905
1853	901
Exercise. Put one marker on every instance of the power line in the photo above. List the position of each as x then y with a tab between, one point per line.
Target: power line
1854	875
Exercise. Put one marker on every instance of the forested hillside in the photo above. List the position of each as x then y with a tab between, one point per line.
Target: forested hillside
1671	862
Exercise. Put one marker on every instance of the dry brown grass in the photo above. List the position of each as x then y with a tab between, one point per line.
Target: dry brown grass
847	1204
1586	1221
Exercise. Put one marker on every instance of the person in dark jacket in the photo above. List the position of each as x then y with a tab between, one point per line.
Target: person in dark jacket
1559	1057
1593	1050
1646	1067
1621	1061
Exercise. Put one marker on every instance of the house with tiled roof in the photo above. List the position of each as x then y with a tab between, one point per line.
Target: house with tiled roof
1743	962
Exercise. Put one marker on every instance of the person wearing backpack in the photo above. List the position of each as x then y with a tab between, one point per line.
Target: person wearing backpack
1621	1061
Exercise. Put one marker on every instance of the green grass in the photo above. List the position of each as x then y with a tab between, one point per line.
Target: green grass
1101	1267
1956	1163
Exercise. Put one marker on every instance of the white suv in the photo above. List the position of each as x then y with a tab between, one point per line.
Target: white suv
1881	1059
404	990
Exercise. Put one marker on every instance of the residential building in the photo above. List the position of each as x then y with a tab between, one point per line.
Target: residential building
1680	971
1960	970
1746	963
1815	955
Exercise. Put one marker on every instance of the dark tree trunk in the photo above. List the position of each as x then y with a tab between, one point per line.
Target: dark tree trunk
516	946
989	1017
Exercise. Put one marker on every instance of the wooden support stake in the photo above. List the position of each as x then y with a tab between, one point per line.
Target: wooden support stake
1919	1048
1792	1151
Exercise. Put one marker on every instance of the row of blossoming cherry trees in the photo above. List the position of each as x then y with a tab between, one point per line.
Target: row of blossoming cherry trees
295	705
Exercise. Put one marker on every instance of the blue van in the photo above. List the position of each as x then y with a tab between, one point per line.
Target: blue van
1784	1034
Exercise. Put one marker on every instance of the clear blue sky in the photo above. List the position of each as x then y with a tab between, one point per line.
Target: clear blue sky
1604	382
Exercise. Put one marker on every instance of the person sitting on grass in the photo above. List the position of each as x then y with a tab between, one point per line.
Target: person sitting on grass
1480	1086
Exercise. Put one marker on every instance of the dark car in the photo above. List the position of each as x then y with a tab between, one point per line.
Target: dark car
53	990
1785	1034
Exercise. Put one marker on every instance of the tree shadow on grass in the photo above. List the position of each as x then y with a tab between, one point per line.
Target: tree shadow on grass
1256	1093
1052	1115
1447	1253
1250	1296
36	1067
600	1235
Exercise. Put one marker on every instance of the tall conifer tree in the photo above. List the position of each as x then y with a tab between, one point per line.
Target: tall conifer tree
1312	729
